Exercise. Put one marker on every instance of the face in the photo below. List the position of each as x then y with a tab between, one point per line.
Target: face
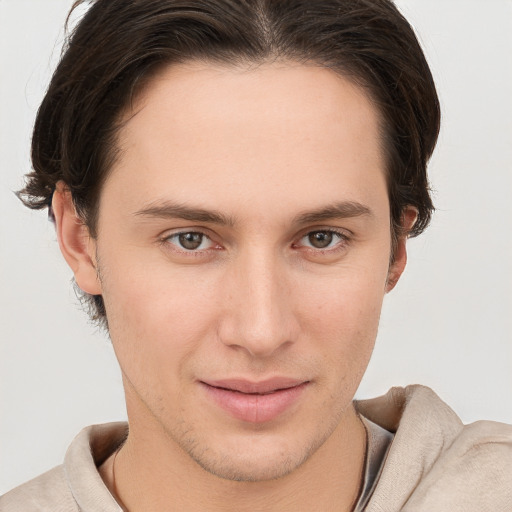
243	253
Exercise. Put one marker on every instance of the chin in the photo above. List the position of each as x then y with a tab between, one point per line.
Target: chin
255	458
251	469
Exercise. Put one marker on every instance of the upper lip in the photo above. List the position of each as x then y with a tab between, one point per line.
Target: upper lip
260	387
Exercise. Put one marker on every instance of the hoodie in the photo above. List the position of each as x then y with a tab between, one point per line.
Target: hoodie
434	463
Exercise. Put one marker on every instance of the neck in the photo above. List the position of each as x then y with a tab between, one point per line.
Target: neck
152	473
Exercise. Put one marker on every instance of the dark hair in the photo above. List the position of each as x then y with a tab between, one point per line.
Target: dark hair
119	44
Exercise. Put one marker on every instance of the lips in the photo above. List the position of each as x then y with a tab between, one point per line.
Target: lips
255	402
263	387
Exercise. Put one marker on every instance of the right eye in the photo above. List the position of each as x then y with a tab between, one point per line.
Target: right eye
191	241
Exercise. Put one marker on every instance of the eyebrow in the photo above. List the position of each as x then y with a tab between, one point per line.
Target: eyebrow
171	210
342	210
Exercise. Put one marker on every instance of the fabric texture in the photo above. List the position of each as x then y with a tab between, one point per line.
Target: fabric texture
378	443
434	463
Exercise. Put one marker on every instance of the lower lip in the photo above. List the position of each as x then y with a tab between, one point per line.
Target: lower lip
254	408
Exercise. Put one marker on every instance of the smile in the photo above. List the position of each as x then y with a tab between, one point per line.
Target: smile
255	402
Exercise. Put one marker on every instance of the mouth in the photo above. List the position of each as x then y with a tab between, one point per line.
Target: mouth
255	402
263	387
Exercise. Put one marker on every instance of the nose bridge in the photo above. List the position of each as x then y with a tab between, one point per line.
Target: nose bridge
260	308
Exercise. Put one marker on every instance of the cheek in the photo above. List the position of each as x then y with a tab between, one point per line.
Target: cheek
156	316
343	317
348	299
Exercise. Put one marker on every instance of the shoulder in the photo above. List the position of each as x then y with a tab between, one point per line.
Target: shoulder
48	492
484	440
75	485
473	473
437	463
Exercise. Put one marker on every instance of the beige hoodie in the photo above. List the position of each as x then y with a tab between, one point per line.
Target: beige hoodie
435	464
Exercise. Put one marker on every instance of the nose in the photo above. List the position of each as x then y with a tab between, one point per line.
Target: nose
259	314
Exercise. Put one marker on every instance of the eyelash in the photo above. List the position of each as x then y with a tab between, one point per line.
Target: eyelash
166	240
343	236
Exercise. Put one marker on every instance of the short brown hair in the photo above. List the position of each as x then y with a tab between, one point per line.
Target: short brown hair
119	44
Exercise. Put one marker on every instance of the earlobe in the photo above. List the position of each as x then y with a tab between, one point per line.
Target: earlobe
397	267
75	242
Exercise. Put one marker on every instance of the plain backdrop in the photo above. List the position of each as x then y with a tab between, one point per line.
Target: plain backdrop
448	324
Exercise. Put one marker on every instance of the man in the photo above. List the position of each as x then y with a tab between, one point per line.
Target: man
233	184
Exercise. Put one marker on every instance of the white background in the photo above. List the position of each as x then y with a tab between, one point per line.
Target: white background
448	324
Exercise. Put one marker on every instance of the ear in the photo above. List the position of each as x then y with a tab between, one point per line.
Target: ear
409	216
75	242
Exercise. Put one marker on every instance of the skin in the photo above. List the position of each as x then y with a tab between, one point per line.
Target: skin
284	155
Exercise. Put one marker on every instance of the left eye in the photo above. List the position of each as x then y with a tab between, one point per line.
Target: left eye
323	239
190	241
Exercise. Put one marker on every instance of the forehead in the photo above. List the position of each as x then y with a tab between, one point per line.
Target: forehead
223	132
199	96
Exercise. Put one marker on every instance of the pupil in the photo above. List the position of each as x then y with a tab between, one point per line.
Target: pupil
190	241
320	239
